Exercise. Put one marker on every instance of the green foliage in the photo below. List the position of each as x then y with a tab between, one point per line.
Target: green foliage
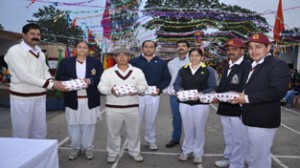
54	26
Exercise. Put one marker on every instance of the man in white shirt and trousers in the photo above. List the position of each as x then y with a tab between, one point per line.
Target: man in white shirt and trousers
30	78
122	109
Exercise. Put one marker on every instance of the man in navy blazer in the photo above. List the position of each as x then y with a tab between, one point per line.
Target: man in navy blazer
233	78
266	84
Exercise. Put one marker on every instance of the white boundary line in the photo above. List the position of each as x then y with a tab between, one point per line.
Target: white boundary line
120	154
279	162
177	154
291	129
292	111
63	141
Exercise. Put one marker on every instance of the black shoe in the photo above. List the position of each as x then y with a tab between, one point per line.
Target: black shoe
172	143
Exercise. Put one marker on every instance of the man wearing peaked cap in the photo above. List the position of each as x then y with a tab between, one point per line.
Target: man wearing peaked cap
266	84
121	50
234	75
122	108
258	38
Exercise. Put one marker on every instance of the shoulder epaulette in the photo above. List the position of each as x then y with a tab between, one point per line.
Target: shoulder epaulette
186	65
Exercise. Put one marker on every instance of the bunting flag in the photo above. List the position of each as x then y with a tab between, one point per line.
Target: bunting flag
105	22
32	1
279	22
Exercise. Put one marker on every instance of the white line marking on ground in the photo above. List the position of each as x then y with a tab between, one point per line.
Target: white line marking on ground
63	141
291	129
177	154
214	107
279	162
290	110
120	154
287	156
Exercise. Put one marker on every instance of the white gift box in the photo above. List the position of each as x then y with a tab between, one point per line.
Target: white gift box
169	91
226	96
125	89
187	95
75	84
151	90
207	98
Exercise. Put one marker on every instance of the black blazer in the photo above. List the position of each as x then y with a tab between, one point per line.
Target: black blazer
266	86
67	71
233	82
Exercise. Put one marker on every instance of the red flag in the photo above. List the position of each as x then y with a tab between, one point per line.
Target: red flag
279	22
105	22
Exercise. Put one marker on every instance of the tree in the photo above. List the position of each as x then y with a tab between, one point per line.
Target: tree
55	26
123	17
1	27
172	17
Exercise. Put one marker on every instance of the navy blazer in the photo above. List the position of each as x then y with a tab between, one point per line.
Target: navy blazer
67	71
265	88
233	82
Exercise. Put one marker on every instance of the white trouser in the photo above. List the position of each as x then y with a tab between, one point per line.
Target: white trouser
82	136
28	117
193	119
115	119
234	132
148	108
260	144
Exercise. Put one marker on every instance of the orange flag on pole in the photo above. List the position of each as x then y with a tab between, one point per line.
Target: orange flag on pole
279	22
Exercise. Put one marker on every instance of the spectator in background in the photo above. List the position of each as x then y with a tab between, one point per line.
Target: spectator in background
289	97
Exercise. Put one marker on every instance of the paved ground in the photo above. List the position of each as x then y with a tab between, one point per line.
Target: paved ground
286	149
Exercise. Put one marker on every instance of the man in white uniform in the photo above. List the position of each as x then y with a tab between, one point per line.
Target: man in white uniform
30	78
122	109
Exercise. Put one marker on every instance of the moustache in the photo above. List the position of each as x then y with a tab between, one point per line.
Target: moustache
35	39
230	55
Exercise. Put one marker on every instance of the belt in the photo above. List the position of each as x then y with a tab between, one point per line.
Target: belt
27	94
82	97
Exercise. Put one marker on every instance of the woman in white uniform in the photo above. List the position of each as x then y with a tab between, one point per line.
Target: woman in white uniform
82	106
194	114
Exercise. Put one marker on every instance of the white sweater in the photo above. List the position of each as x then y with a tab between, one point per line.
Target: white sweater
28	73
110	78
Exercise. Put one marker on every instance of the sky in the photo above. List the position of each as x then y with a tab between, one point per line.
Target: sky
13	13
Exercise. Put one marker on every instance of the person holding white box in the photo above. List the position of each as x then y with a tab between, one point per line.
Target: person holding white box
30	79
82	105
194	114
158	78
122	109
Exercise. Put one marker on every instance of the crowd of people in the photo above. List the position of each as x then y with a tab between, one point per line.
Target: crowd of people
249	121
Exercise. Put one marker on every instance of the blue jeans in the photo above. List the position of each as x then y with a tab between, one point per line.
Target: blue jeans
176	119
289	97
